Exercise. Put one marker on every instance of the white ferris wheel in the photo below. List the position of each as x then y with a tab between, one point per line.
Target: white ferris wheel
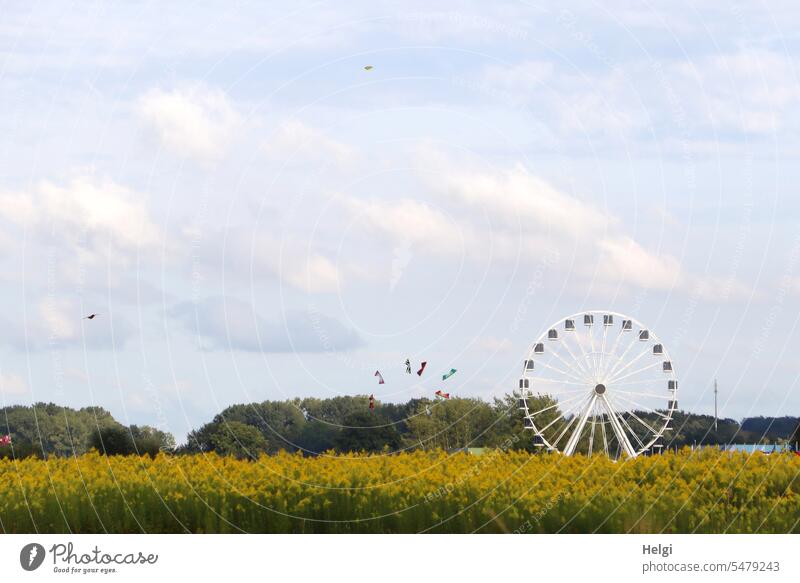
598	382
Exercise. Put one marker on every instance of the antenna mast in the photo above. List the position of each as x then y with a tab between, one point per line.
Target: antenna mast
715	404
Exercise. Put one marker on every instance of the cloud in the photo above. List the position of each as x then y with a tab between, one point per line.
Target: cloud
250	256
61	323
503	215
224	323
408	221
723	96
196	121
523	203
95	217
493	344
12	385
299	142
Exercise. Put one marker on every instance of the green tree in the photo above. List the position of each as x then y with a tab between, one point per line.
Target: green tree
113	440
368	431
280	422
453	423
228	438
149	440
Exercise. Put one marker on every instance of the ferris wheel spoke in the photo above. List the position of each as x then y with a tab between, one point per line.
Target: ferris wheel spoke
624	422
578	363
564	430
600	366
560	382
622	439
631	344
591	344
563	372
642	394
647	425
549	425
641	370
641	382
632	362
643	407
632	432
572	442
553	406
613	352
564	362
640	420
583	353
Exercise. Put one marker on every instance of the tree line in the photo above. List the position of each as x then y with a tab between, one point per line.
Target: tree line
342	424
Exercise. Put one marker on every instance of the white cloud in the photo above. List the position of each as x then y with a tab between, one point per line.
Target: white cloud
248	255
197	121
529	219
493	344
12	385
227	323
623	259
721	96
295	140
91	215
409	221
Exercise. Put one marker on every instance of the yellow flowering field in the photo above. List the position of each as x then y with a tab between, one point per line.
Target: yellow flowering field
507	492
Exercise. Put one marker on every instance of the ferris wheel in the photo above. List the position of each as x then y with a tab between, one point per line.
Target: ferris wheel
598	382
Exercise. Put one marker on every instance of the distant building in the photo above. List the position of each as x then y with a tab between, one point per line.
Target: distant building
754	447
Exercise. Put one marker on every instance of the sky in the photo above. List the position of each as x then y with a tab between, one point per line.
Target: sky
253	215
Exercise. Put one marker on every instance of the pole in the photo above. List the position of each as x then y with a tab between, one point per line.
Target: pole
715	404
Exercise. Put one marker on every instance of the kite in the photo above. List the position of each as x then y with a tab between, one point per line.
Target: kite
380	377
368	68
5	440
421	368
439	393
447	375
371	402
90	317
408	366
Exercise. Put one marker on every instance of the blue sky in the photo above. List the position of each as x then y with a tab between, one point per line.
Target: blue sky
255	216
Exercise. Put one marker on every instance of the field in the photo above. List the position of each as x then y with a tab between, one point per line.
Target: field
502	492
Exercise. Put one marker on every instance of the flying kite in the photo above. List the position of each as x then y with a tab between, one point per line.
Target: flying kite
421	368
408	366
368	68
439	393
447	375
371	402
90	317
380	377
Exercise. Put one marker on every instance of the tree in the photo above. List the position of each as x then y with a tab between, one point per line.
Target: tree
46	428
113	440
317	437
280	422
229	438
794	439
367	431
454	423
149	440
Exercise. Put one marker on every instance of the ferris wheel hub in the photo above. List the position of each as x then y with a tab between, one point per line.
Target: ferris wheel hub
600	389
